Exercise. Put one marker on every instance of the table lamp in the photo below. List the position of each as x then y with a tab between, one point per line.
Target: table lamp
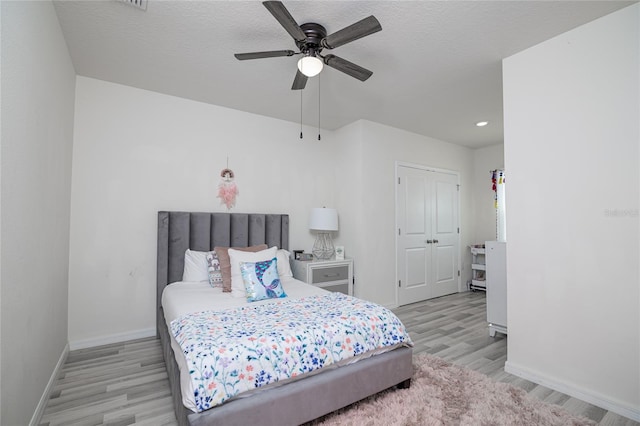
324	221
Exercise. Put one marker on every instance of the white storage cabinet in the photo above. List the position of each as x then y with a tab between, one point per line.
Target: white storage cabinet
496	256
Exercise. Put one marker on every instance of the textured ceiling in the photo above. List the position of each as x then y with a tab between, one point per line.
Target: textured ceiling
436	64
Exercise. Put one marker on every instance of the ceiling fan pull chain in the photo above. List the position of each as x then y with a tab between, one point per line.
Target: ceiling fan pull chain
301	114
318	107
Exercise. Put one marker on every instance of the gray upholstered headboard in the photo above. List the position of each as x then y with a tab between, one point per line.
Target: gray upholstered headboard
178	231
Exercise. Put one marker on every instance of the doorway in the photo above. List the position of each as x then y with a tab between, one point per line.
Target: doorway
428	233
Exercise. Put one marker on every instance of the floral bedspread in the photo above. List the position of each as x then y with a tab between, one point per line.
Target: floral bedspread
239	349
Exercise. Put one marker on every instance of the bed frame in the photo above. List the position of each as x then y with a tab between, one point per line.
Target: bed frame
291	404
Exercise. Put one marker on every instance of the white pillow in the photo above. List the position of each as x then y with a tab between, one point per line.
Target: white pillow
195	266
237	256
284	266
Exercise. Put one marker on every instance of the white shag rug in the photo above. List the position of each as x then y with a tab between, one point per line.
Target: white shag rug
442	393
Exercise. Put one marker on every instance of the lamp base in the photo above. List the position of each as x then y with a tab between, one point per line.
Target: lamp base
323	247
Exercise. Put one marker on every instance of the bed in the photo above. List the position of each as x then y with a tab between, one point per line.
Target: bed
320	393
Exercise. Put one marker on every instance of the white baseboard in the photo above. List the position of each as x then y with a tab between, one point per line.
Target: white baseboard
594	398
42	404
112	338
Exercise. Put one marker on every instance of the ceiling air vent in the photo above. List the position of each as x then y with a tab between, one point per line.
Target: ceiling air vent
138	4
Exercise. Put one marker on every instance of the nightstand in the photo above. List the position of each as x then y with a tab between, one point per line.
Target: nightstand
331	275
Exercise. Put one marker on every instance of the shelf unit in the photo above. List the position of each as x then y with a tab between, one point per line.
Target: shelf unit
478	269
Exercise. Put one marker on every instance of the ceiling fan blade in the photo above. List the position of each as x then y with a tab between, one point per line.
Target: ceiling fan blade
299	82
260	55
353	32
347	67
283	16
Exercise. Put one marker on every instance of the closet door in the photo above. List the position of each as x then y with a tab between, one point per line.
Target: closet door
427	235
444	221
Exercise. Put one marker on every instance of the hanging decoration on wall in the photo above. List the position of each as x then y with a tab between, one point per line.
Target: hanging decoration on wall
498	181
497	178
227	188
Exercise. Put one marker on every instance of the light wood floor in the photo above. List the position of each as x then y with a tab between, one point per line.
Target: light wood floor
455	328
126	383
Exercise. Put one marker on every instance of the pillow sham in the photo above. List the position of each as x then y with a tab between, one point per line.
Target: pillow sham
195	266
225	265
261	280
237	256
213	270
284	265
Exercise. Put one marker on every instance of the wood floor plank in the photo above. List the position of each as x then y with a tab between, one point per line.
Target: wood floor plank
613	419
85	411
126	383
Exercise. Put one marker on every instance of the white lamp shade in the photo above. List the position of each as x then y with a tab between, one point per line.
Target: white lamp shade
310	65
323	219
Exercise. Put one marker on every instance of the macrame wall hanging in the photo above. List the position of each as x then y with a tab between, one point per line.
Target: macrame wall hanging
227	188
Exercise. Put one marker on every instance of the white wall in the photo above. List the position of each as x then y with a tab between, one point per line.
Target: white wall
137	152
348	191
484	213
370	209
572	123
38	83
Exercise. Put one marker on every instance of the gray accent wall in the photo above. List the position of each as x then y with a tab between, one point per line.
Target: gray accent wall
38	95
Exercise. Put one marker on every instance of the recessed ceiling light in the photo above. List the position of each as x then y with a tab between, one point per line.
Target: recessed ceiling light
482	123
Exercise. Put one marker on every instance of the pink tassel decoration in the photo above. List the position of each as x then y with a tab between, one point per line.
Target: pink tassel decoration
227	189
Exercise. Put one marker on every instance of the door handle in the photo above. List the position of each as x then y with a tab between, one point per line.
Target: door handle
429	241
335	275
435	241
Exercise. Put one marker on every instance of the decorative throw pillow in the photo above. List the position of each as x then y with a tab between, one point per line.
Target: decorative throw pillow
195	266
261	280
236	257
225	262
213	268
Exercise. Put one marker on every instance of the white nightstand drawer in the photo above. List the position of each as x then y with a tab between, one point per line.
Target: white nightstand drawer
342	288
336	273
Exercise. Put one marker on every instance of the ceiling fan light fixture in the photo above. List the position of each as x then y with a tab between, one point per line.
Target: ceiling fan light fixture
310	65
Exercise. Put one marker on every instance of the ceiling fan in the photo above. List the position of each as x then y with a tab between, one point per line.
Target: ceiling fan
312	39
